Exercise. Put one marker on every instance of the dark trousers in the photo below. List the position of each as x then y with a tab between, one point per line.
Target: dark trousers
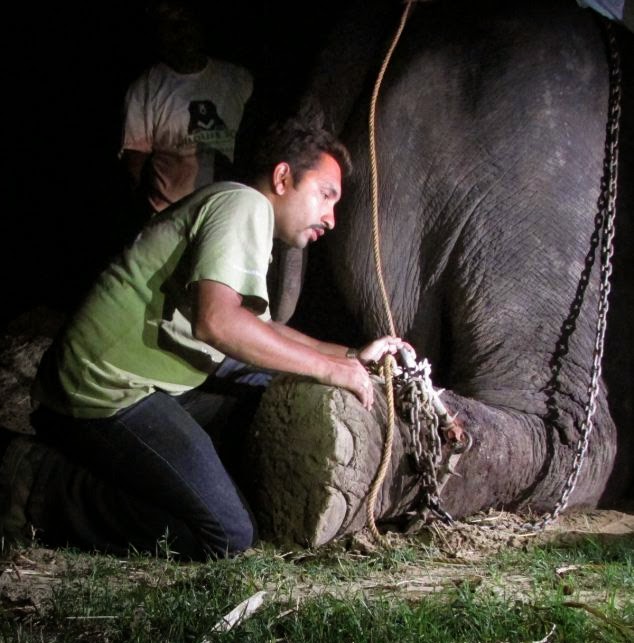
149	473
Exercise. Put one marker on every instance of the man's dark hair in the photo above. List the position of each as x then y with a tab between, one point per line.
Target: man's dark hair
162	10
298	141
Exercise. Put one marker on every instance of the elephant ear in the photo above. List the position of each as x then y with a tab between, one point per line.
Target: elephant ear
284	280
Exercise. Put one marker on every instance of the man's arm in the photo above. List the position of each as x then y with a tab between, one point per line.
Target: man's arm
221	320
373	352
134	162
326	348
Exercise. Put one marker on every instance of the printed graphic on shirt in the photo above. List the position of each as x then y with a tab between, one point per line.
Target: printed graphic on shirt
206	128
203	115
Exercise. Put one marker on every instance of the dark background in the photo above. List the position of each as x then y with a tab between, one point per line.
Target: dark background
67	66
67	69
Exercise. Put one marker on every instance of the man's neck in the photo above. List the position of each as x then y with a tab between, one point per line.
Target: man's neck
187	63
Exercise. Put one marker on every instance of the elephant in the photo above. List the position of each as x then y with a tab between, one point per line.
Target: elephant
490	144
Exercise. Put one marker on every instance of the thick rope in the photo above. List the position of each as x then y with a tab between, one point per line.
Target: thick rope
386	453
374	181
388	359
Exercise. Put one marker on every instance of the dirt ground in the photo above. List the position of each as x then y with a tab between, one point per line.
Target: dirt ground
28	576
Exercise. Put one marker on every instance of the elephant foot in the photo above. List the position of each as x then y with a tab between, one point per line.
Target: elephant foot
313	453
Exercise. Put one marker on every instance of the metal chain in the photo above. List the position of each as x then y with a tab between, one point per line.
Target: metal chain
416	409
420	406
604	228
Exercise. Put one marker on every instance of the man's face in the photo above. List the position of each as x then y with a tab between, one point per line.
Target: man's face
176	32
305	210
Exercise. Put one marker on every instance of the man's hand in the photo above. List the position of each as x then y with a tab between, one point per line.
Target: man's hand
350	374
376	349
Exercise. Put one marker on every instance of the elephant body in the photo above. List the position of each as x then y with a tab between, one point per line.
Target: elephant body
490	133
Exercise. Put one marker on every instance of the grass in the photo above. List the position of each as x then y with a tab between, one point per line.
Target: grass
583	591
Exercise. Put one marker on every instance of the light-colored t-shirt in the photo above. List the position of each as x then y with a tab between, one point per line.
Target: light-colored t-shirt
188	122
133	335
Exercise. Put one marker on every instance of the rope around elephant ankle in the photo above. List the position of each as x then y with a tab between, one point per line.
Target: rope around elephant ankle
388	359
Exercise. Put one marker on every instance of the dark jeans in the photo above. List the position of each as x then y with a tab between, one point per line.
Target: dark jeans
149	471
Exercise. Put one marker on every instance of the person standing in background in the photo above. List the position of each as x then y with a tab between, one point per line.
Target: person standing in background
182	114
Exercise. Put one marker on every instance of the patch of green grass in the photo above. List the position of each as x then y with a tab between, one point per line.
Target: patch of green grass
589	563
579	592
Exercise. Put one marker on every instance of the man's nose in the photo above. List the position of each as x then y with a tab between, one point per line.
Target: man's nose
328	219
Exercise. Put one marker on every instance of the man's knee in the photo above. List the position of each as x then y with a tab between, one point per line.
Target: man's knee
241	539
232	540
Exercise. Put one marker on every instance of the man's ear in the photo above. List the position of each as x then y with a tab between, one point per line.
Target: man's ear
282	178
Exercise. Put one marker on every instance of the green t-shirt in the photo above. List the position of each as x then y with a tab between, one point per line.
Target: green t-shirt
132	335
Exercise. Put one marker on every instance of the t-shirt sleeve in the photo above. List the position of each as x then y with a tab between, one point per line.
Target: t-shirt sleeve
137	124
233	243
